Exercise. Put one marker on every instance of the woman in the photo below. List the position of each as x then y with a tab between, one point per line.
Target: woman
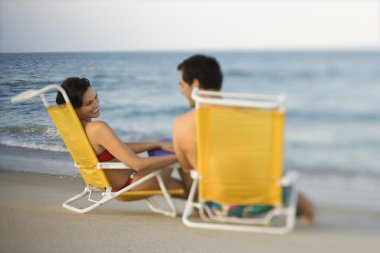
108	147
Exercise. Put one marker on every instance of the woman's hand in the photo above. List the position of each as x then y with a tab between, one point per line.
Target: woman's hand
168	147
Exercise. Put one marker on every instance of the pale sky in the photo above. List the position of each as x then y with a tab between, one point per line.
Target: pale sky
129	25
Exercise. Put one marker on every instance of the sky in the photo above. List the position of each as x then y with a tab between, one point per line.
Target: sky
168	25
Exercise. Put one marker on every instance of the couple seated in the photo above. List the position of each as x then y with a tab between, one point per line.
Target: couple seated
196	72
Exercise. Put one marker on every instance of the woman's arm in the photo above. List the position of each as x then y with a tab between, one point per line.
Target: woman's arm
100	134
139	147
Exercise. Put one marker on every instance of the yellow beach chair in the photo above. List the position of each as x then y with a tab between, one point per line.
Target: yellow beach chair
240	152
75	139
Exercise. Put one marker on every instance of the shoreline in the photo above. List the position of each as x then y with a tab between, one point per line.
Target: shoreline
341	190
31	160
31	212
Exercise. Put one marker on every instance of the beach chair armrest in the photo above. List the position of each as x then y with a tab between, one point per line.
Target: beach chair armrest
29	94
113	165
120	165
289	178
194	174
23	96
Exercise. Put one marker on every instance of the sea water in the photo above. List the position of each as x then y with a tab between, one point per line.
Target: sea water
332	99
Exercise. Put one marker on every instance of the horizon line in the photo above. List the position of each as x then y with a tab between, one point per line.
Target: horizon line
267	50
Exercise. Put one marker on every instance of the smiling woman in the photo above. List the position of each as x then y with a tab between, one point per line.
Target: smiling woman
90	106
108	147
83	98
46	26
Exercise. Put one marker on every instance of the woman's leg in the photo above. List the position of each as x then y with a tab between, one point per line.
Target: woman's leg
152	184
117	178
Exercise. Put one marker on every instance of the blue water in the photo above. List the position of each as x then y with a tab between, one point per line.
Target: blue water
332	99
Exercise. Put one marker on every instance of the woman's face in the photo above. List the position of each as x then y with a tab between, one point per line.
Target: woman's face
90	105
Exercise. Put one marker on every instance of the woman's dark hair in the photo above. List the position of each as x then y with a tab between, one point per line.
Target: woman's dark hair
75	88
203	68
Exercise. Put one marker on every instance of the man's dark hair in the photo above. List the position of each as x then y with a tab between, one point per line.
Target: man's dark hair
75	88
203	68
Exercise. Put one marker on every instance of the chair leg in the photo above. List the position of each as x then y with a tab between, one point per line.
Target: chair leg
155	207
108	195
190	205
87	191
292	208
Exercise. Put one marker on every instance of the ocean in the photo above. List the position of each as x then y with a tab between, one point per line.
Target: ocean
332	100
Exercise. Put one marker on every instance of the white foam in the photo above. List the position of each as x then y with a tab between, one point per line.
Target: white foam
14	143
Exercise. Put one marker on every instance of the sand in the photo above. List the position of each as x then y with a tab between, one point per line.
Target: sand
32	220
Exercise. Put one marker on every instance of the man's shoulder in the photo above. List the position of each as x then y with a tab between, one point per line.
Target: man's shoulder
184	130
187	118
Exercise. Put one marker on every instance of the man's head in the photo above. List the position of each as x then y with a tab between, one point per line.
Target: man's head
199	71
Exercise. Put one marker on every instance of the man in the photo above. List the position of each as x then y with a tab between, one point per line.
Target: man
203	72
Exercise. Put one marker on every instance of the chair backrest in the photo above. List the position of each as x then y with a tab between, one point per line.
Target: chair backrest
75	139
240	152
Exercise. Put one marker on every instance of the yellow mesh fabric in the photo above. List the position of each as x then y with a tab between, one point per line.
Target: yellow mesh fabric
137	195
240	155
75	139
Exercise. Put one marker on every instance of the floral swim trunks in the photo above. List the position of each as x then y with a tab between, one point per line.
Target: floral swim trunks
237	210
243	211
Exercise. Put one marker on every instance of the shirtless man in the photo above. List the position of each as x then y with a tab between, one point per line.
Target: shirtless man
204	72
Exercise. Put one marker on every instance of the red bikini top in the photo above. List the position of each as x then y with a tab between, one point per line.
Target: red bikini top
105	156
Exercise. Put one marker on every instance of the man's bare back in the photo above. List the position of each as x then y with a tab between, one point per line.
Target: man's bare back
184	140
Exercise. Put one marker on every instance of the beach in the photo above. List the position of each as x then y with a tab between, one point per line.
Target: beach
331	140
32	218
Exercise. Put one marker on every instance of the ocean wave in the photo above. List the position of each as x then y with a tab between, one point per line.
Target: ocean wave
29	131
34	137
33	145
